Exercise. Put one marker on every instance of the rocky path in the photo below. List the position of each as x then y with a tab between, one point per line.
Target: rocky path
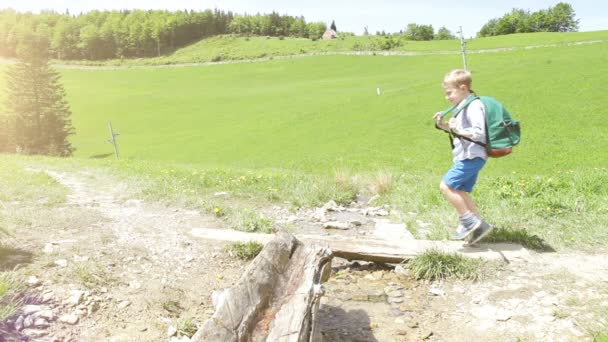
127	270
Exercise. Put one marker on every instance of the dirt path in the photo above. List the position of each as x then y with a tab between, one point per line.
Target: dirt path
344	53
127	270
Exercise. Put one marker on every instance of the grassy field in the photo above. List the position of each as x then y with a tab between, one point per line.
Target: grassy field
320	114
224	48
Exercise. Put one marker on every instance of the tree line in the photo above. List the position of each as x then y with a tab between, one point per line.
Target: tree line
99	35
559	18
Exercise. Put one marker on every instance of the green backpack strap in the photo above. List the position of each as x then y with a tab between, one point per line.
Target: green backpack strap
468	101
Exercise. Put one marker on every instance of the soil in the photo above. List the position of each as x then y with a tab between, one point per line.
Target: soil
124	269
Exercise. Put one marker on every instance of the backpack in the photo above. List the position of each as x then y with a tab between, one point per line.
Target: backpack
502	132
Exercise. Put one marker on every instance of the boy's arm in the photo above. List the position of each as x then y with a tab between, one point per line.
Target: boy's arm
476	114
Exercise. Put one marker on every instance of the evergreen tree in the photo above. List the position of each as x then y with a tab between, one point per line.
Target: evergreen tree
39	114
333	26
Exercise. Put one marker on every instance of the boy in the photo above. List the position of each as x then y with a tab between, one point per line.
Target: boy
469	158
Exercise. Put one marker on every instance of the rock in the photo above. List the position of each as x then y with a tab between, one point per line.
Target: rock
135	284
46	314
399	269
69	319
436	292
394	300
75	298
401	332
41	323
92	308
31	309
171	331
35	333
61	263
28	322
33	281
19	323
336	225
180	339
123	304
47	297
503	316
221	194
48	248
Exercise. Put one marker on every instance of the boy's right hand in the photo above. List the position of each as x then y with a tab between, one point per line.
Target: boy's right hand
439	123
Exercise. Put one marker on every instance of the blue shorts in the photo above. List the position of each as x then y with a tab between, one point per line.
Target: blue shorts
463	174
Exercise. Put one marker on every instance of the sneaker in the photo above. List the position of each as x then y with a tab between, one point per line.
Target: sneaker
462	231
484	229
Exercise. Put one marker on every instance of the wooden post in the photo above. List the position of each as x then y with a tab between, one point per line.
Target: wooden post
463	48
276	299
113	140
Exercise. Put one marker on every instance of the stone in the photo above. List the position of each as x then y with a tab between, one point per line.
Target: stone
336	225
46	314
399	269
19	323
75	298
48	248
35	333
135	284
436	292
171	331
33	281
123	304
41	323
28	322
61	263
69	319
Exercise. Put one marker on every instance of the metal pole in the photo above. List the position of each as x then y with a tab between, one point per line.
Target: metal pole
463	48
113	140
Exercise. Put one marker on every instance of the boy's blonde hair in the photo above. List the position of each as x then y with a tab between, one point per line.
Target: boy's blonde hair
458	77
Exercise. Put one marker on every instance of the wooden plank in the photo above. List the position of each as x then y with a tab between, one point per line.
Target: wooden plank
377	250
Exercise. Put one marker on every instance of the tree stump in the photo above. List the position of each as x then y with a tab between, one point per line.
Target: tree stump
276	299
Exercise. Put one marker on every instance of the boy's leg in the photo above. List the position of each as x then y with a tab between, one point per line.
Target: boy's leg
456	198
456	185
470	204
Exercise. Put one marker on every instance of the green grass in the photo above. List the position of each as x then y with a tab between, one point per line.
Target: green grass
222	48
305	114
245	250
10	289
436	265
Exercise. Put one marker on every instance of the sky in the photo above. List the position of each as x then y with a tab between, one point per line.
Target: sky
350	15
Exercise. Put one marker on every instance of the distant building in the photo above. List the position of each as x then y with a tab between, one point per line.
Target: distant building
330	34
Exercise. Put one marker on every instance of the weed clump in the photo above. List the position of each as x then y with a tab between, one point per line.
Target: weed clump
245	250
435	265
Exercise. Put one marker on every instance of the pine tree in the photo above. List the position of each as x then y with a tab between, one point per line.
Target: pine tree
333	26
36	105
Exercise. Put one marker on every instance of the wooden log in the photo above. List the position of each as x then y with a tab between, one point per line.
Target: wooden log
376	250
277	297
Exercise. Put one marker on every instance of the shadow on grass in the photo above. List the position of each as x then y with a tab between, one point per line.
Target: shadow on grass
520	236
11	257
101	156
